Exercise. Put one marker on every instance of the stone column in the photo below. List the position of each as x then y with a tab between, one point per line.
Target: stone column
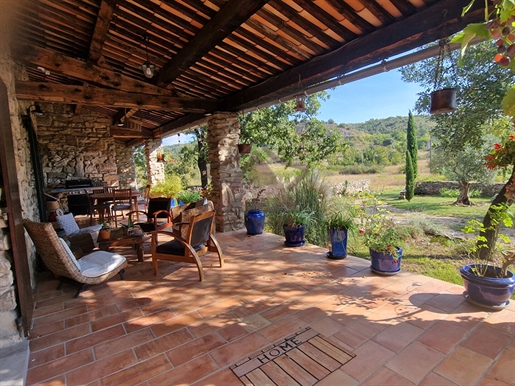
226	176
156	172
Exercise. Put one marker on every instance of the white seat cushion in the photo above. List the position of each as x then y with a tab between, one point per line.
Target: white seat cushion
67	224
93	230
70	253
99	263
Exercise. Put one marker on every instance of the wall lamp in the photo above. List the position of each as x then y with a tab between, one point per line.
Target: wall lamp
37	110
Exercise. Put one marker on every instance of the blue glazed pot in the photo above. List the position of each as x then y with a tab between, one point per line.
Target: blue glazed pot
255	222
294	236
488	290
384	263
337	243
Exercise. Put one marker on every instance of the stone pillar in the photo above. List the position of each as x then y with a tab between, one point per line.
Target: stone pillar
156	170
226	176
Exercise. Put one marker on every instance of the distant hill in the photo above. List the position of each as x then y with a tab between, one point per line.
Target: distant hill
389	125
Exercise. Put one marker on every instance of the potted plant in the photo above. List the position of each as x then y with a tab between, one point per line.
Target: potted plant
105	231
339	225
245	145
295	221
254	216
488	282
383	239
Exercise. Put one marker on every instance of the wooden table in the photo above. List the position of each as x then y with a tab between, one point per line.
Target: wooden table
103	197
119	238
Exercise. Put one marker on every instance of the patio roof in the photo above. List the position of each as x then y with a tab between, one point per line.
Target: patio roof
211	55
271	312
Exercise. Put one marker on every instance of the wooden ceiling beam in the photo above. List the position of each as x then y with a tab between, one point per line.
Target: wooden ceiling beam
231	16
421	28
176	126
375	9
82	71
105	15
121	132
94	96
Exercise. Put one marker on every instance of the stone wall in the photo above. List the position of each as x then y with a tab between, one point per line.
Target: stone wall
226	175
432	188
125	165
76	146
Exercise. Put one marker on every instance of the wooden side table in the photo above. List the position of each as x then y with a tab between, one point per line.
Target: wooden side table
119	238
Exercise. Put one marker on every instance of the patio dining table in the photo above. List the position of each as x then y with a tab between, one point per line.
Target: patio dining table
103	197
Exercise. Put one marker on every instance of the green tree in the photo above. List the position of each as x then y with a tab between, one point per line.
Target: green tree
411	140
410	177
481	84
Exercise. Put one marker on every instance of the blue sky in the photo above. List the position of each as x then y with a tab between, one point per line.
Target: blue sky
379	96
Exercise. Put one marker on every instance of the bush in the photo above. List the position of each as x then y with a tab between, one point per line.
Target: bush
187	196
361	169
454	193
170	187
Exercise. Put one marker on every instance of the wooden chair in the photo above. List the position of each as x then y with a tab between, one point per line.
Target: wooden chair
158	215
200	240
143	201
121	202
95	208
93	268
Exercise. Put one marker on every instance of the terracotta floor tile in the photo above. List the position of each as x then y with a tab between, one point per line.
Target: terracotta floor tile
94	338
463	366
174	324
398	336
208	326
282	329
311	314
239	349
57	381
486	340
59	366
503	369
46	355
433	379
446	302
443	336
386	377
40	311
369	357
338	377
91	316
233	331
415	362
61	315
327	326
58	337
359	332
122	343
187	373
254	323
147	321
138	373
195	349
46	329
162	344
503	320
466	316
115	319
101	368
225	377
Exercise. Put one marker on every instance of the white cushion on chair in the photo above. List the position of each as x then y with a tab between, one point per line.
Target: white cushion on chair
68	224
99	263
70	253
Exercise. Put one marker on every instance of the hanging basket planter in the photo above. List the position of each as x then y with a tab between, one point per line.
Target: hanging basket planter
245	148
443	101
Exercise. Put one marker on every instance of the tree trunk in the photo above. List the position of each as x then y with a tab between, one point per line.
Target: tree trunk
202	163
486	247
463	197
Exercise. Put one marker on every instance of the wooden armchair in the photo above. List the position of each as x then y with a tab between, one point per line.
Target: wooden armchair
93	268
158	215
199	240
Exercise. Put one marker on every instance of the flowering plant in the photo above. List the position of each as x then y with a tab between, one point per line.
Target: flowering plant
502	155
207	191
379	231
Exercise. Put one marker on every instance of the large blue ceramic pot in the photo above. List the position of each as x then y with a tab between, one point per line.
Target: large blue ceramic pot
384	263
294	236
255	222
488	290
337	243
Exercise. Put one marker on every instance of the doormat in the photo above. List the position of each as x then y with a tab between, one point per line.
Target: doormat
304	358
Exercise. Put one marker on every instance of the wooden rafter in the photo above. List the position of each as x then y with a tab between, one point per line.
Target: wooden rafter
94	96
231	16
82	71
101	28
422	28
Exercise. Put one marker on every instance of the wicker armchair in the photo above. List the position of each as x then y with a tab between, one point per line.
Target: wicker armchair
93	268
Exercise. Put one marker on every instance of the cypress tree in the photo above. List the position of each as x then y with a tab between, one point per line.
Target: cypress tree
411	138
410	177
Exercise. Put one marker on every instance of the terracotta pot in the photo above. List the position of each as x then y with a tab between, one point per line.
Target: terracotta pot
443	101
104	234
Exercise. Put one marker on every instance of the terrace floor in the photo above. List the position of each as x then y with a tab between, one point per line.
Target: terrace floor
271	315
